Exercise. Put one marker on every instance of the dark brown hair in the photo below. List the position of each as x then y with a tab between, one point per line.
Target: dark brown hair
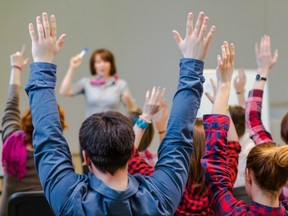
196	174
108	140
269	166
148	134
27	126
284	128
238	117
107	56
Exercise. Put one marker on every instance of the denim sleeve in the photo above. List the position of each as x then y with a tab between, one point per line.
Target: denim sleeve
172	168
51	152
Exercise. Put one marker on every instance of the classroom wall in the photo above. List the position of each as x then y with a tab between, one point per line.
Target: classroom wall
139	34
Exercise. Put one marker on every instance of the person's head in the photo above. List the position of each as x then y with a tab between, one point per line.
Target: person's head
27	126
107	141
284	128
102	63
267	168
148	134
196	174
238	117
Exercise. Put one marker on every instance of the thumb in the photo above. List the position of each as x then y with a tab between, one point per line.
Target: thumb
25	61
60	41
177	37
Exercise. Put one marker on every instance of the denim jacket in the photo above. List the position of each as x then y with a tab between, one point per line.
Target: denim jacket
69	193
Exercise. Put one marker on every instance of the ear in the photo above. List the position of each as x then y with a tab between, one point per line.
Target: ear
87	160
248	176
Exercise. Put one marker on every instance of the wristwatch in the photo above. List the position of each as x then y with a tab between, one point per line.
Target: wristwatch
259	78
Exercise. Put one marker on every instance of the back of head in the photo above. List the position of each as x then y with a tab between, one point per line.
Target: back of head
284	128
238	116
108	140
196	174
148	134
269	166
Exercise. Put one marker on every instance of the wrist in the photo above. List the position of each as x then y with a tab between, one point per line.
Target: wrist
146	118
263	72
240	92
161	131
16	67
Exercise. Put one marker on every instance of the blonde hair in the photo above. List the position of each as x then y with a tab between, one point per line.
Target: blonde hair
269	164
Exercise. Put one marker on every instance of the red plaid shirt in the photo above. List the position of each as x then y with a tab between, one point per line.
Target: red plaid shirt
191	203
255	126
254	123
218	178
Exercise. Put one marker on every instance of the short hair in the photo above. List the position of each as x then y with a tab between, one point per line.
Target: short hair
148	134
284	128
196	174
269	165
27	125
108	140
238	117
107	56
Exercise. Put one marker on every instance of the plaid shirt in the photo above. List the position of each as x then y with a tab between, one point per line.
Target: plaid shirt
218	178
254	123
191	203
255	126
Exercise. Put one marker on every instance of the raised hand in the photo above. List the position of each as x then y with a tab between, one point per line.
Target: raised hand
76	61
161	121
264	58
211	97
18	60
195	45
152	103
240	81
225	66
45	45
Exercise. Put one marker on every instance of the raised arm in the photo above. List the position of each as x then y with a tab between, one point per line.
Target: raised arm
216	126
66	85
11	121
161	122
265	62
239	86
171	171
51	152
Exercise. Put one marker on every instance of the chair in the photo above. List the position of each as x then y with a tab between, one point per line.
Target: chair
31	203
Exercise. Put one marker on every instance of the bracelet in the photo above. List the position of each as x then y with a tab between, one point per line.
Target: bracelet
161	132
142	123
17	67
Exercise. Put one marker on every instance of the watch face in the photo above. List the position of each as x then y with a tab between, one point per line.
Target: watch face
258	77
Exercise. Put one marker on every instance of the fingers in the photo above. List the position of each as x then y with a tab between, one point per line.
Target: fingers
60	41
275	58
189	26
210	35
53	31
25	62
203	28
33	36
210	97
219	61
256	49
23	49
177	37
232	53
199	23
46	25
40	28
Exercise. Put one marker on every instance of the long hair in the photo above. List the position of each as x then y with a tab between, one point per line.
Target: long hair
196	174
27	126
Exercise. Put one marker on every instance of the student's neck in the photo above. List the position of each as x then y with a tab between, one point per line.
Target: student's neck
118	181
264	198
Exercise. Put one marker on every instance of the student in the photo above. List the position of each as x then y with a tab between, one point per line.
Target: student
104	90
267	165
257	131
108	189
17	153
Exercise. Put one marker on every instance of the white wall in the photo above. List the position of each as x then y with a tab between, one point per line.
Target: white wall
139	34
